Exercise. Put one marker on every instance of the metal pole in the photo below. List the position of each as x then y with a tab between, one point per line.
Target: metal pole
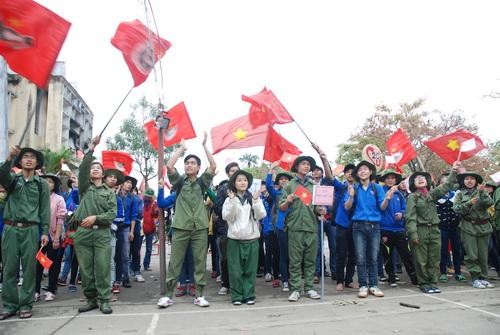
322	259
4	112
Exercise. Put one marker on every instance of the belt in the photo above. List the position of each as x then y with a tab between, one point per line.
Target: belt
19	224
479	222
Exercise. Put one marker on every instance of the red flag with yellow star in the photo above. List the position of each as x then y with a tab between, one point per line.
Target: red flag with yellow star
43	260
459	145
304	195
237	134
31	37
266	108
277	145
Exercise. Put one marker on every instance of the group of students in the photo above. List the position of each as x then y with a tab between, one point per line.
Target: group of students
370	222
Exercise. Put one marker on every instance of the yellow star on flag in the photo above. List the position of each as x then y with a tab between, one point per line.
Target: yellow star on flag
240	134
304	195
453	145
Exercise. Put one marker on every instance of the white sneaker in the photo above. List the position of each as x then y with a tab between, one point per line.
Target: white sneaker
376	291
285	287
363	292
295	296
200	301
486	283
49	296
478	284
268	277
165	302
223	291
313	294
139	278
37	297
251	302
218	279
20	282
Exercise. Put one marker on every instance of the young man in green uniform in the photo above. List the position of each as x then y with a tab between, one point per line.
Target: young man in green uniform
27	209
92	238
472	204
190	223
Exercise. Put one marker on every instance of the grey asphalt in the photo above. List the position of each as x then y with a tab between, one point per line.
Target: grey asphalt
460	309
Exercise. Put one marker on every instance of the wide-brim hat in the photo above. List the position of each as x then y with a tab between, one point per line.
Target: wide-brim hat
414	175
388	172
299	159
132	180
461	177
372	168
491	183
281	175
117	173
55	179
150	193
232	180
38	154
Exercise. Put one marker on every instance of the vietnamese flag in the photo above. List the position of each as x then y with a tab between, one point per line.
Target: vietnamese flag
31	37
277	145
238	133
43	260
180	127
458	145
400	149
266	109
119	160
141	48
304	195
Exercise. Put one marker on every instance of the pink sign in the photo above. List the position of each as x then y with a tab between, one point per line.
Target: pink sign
323	195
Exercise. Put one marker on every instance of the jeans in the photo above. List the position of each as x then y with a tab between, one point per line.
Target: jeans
187	271
366	238
452	236
70	263
331	233
345	251
122	252
272	254
149	249
283	246
136	254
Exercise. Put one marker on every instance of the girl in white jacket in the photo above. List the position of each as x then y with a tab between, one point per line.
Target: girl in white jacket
242	211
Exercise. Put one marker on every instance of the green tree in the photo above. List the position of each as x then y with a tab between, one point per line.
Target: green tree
53	160
420	125
132	139
249	159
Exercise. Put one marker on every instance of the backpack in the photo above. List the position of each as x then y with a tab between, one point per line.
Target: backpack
148	222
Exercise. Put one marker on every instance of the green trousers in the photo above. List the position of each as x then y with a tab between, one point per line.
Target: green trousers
93	250
476	254
427	254
19	244
180	242
302	249
242	260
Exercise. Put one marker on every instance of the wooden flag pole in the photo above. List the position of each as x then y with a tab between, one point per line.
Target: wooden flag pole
302	130
116	111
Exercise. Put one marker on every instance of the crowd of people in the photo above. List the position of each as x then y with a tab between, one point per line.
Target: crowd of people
94	230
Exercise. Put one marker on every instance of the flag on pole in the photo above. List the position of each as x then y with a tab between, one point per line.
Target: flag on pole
119	160
141	48
459	144
180	127
266	109
31	37
44	261
400	149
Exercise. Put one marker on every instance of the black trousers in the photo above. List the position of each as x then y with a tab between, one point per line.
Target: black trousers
399	241
56	257
346	257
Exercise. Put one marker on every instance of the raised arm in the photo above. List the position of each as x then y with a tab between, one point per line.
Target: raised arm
324	159
175	156
211	161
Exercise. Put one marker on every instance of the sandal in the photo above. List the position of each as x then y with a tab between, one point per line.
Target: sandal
25	314
6	315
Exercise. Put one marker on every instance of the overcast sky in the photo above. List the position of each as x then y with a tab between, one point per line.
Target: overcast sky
329	62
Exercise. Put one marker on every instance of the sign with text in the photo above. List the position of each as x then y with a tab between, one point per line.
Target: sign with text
323	195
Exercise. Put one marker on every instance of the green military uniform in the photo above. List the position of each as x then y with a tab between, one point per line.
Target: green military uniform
190	226
475	230
496	206
27	209
422	223
92	245
302	227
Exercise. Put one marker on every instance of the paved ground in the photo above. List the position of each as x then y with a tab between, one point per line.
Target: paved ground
460	309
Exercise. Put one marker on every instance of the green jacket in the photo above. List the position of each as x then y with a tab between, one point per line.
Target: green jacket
300	217
496	200
190	210
470	212
421	210
26	203
94	200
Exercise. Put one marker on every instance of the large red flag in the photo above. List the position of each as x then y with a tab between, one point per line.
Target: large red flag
117	160
277	146
237	134
400	149
459	145
31	37
266	109
141	48
180	127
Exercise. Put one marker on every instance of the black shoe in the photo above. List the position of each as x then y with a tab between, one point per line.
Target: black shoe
91	304
126	284
106	308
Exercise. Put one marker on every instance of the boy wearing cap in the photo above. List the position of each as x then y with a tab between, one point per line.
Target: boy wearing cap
191	221
92	238
27	208
472	204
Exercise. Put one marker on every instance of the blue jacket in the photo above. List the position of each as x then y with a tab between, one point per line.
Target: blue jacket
367	203
130	208
342	216
397	204
167	202
267	221
72	200
120	214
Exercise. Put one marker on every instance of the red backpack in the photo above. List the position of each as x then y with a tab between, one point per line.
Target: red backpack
148	221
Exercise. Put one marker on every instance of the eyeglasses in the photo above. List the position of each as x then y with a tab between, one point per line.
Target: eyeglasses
420	178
